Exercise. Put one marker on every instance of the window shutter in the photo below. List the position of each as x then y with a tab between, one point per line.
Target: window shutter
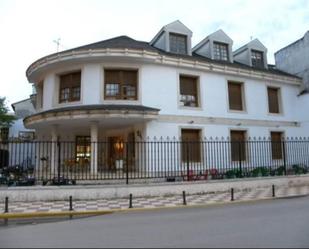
273	100
112	76
276	145
130	77
191	145
235	96
188	86
238	142
70	80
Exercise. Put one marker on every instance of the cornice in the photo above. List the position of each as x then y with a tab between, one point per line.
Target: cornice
166	60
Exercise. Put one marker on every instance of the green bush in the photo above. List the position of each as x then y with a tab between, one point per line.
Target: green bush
233	173
299	169
280	171
260	171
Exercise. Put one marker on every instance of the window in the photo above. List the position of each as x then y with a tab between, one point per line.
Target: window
4	133
257	59
221	51
191	145
235	90
26	135
238	145
178	43
276	145
121	84
188	91
273	100
83	149
70	87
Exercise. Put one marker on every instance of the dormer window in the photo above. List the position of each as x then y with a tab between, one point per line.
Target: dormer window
178	43
257	59
221	51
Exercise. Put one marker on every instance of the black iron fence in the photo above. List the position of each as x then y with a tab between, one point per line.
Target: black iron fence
26	163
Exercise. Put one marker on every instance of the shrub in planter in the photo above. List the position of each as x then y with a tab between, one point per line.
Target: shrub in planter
299	169
280	171
233	173
260	171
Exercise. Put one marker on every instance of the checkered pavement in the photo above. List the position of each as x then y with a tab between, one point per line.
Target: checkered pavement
153	202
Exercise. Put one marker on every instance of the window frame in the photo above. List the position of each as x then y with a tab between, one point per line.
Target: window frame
279	96
245	146
221	44
4	136
254	59
85	144
273	146
177	50
121	96
197	89
184	146
70	89
243	96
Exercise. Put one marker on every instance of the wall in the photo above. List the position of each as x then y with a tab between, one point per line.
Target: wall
294	59
159	88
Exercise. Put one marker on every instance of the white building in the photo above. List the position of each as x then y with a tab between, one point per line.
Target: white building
126	90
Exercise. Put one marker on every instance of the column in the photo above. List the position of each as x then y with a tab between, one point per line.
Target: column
94	132
54	156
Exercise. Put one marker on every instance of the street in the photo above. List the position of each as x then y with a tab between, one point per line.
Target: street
278	223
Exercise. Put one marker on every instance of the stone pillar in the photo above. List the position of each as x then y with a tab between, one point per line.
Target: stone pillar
54	152
94	132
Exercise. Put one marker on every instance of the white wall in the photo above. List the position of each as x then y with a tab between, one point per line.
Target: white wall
90	88
159	88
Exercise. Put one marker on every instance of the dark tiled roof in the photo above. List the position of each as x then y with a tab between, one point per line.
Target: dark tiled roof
127	42
117	42
138	108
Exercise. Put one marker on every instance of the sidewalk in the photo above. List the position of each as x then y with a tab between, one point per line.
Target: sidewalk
150	203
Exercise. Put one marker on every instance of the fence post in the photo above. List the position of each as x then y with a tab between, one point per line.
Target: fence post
71	203
240	159
127	163
232	194
273	190
184	198
6	205
59	160
188	161
284	157
131	201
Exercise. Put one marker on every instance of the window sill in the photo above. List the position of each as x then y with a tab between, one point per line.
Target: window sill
275	114
121	101
71	103
237	111
191	108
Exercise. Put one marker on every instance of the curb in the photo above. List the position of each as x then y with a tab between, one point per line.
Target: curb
7	216
128	210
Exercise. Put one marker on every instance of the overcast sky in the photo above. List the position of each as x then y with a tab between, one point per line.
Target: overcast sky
29	27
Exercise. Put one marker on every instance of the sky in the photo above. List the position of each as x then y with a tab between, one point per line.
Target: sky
29	28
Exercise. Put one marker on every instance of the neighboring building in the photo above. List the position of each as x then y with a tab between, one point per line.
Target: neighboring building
22	109
18	131
294	59
126	90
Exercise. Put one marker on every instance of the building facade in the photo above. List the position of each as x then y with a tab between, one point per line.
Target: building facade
126	90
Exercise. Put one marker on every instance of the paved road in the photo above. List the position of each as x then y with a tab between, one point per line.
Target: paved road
279	223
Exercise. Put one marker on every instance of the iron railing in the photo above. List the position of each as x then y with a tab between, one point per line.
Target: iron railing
169	159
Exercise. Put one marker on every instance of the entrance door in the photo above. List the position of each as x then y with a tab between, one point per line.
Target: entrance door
116	155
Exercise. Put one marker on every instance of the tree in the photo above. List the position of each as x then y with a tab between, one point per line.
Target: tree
6	120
